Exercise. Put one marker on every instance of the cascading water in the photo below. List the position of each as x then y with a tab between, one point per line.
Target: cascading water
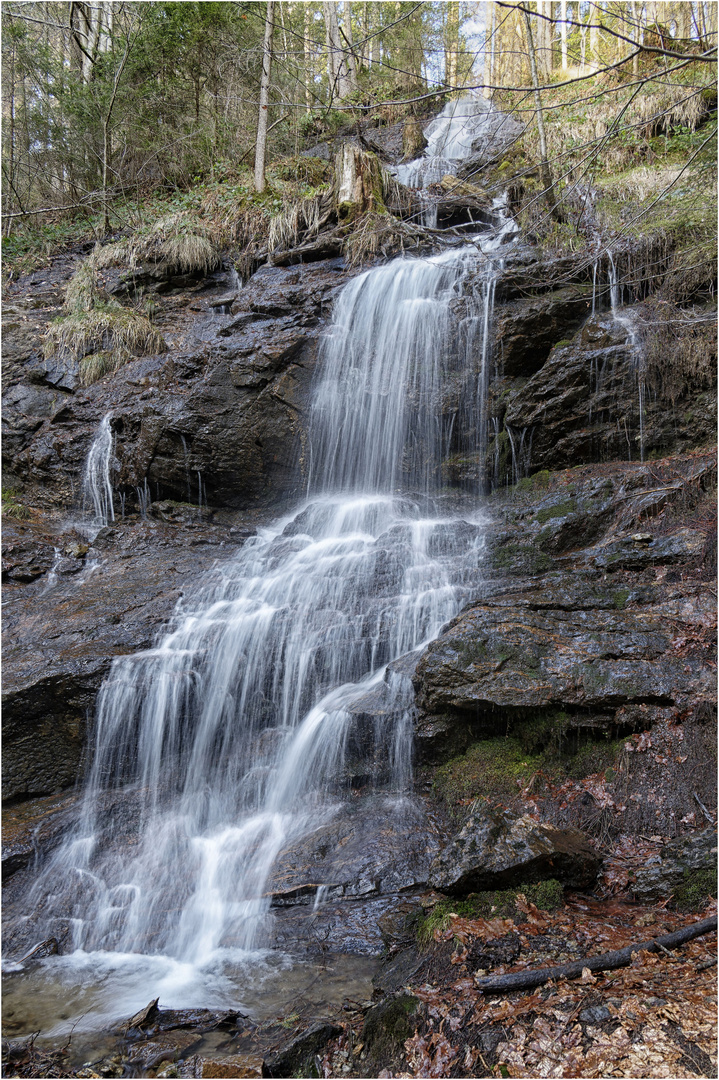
229	741
467	126
96	484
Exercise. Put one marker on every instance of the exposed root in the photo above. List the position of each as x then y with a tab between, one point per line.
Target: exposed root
381	234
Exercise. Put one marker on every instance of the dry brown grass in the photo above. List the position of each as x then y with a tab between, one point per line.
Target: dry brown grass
102	339
176	241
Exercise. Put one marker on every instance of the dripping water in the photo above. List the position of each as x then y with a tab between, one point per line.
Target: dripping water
626	320
97	497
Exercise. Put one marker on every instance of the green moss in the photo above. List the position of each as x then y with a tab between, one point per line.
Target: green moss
535	482
695	889
472	651
561	344
526	557
389	1024
567	506
544	734
546	895
491	768
620	597
595	757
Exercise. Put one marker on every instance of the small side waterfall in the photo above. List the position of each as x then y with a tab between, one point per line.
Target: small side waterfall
626	320
97	496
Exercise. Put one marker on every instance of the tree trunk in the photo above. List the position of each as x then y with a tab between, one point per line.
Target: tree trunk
336	64
308	61
375	40
544	170
261	145
593	40
488	45
451	42
351	64
563	31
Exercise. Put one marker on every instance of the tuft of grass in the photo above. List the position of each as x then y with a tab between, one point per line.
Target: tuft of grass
380	234
82	293
95	366
103	339
12	507
177	240
302	218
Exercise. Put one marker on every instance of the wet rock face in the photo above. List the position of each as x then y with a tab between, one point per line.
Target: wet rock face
229	400
372	847
62	632
589	603
530	653
496	850
582	400
526	330
223	415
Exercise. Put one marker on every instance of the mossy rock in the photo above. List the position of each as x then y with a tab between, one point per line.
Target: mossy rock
560	509
491	768
499	903
387	1026
696	887
520	559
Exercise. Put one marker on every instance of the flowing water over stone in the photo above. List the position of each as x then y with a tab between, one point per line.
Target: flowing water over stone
218	752
625	319
469	127
96	484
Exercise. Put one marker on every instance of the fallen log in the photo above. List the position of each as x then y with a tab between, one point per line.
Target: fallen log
522	980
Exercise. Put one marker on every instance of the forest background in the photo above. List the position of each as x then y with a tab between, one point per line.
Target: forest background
118	113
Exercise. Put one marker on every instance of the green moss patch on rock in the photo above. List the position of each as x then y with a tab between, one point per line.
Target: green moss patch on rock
696	887
493	768
386	1028
560	509
520	559
498	903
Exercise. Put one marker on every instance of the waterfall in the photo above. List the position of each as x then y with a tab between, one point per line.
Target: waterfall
626	320
230	741
464	125
96	484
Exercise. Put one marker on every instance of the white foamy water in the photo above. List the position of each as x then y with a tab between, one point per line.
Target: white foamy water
96	484
466	127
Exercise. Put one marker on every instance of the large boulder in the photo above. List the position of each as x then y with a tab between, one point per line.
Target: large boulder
497	850
565	646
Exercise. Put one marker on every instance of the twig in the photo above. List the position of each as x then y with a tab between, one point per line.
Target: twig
606	962
707	815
